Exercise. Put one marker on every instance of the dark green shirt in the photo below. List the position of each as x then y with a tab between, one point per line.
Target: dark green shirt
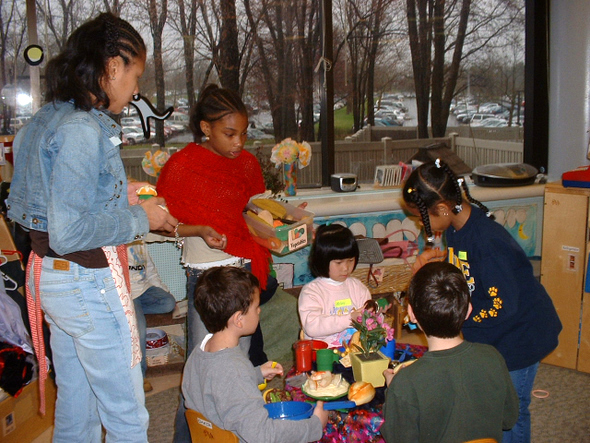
456	395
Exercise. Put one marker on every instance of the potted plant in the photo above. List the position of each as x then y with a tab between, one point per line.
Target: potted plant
373	332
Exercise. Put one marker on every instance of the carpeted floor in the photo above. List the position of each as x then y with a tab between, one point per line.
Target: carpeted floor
564	416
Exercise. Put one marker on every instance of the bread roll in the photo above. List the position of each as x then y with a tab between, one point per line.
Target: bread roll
361	392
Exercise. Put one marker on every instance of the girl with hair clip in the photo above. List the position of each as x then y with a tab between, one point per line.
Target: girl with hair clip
69	191
329	303
511	309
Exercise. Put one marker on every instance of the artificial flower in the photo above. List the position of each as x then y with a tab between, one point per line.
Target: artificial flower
289	151
374	332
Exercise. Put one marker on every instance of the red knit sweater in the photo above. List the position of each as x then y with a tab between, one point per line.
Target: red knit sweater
204	188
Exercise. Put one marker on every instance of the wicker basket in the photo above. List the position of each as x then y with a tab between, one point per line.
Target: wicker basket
384	277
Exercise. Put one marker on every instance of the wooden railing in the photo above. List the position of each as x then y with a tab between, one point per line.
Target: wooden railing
361	157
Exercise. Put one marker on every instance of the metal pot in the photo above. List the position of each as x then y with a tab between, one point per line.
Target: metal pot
504	174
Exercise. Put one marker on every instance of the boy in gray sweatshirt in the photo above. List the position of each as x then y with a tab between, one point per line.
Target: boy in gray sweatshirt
219	381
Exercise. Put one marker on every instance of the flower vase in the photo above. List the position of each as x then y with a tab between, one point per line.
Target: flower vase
369	369
290	178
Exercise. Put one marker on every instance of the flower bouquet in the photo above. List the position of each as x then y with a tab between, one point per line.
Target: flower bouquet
374	332
291	154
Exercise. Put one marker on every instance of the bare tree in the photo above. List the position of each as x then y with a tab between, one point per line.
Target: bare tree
188	24
228	63
442	35
274	44
307	52
363	24
157	23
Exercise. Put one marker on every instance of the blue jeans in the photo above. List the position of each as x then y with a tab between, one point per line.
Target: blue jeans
523	380
154	300
91	344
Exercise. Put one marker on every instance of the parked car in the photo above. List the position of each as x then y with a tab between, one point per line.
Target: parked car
17	123
476	119
465	117
493	123
131	121
132	135
179	119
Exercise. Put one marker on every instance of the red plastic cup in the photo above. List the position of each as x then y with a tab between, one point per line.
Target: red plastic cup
303	353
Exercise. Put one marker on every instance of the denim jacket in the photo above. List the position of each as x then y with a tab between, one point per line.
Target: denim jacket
69	181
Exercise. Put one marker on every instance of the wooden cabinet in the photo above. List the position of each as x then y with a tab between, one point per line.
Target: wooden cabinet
564	270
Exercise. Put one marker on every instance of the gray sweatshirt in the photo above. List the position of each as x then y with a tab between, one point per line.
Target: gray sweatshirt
223	386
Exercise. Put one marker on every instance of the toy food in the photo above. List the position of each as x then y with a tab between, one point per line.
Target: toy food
325	384
361	392
146	192
274	395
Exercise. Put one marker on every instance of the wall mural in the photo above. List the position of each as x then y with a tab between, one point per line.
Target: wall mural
522	219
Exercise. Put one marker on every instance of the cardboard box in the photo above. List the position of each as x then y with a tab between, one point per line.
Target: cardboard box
20	416
284	239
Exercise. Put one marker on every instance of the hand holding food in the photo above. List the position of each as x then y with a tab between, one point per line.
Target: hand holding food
270	369
132	187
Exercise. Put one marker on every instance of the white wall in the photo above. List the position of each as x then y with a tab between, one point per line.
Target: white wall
569	85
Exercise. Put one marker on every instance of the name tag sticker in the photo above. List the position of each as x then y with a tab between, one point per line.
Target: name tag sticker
115	140
342	303
462	255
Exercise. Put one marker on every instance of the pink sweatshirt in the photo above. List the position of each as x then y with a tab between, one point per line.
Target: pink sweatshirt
325	306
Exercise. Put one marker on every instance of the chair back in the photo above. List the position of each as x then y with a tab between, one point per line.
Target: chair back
483	440
202	430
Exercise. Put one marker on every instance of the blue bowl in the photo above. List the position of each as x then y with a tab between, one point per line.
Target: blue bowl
289	410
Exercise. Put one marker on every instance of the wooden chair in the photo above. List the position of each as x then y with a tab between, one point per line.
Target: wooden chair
202	430
483	440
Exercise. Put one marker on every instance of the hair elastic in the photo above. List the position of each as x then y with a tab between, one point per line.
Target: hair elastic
430	239
460	181
540	393
437	163
458	208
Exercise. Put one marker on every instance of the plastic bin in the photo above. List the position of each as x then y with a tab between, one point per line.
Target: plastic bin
284	239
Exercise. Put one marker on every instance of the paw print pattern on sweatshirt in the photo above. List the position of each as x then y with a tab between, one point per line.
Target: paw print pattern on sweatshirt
491	312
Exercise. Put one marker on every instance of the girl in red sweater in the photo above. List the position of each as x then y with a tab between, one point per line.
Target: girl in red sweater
206	186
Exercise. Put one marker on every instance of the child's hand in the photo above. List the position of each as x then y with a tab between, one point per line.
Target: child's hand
213	239
428	256
388	374
270	369
355	314
320	413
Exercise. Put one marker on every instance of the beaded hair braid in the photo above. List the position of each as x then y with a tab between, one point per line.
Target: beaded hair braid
432	183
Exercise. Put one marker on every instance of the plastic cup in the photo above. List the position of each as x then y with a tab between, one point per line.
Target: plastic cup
389	349
325	359
303	355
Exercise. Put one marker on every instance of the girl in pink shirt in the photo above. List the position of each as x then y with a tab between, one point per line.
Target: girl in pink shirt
328	303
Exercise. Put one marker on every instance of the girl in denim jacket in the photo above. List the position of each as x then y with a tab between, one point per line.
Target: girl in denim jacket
70	192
